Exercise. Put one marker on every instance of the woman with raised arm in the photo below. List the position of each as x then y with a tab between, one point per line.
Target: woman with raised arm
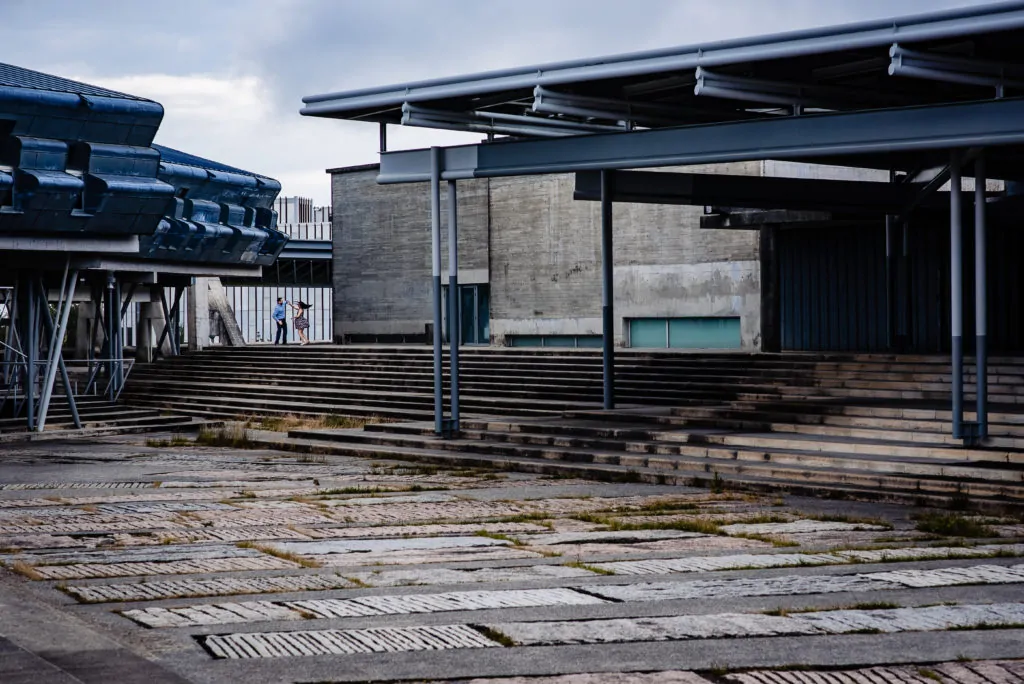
300	322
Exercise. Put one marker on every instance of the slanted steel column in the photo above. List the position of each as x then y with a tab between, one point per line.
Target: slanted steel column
454	319
607	291
56	359
31	350
956	294
980	297
435	245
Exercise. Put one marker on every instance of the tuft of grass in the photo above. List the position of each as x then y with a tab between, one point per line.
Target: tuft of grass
25	570
247	494
953	525
359	583
227	436
851	519
988	625
929	674
278	553
498	536
177	440
589	568
719	669
864	605
777	542
718	484
495	635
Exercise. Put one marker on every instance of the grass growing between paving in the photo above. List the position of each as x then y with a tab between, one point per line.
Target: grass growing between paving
175	441
320	422
953	525
227	436
283	555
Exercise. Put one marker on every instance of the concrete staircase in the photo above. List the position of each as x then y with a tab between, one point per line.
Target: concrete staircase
397	382
97	416
843	425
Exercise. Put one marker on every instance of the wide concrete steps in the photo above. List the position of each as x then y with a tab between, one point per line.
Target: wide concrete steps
626	456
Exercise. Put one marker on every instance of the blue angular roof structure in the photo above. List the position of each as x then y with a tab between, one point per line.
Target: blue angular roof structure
78	163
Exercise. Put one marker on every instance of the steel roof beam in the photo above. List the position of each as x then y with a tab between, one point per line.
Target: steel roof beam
748	192
949	69
762	91
840	136
497	122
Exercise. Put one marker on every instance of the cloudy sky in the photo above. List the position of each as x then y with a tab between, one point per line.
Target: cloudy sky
231	73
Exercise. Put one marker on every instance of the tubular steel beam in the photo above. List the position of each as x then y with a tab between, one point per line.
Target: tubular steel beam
607	291
750	192
454	299
980	298
846	135
956	294
435	247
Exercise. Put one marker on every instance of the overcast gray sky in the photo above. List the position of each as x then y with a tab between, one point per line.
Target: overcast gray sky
231	73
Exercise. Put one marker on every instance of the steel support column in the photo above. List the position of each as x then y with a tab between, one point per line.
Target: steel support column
956	294
112	307
56	361
435	246
890	282
607	291
55	356
454	299
980	297
31	350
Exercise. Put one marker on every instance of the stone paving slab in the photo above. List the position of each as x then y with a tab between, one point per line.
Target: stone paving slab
192	588
798	526
416	557
663	677
452	529
262	611
383	546
181	567
984	672
442	576
758	561
793	585
734	625
346	642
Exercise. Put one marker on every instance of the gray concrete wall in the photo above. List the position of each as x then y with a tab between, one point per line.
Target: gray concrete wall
382	253
540	251
546	261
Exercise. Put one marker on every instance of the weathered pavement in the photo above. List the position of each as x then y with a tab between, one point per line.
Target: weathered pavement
135	563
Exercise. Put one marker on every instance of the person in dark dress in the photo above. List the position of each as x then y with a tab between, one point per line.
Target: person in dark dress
301	322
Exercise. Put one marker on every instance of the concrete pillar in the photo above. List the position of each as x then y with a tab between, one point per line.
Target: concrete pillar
84	332
199	315
144	331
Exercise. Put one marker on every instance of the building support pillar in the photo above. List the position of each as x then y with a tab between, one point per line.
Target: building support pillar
454	299
890	283
435	246
31	349
956	294
980	298
607	292
144	333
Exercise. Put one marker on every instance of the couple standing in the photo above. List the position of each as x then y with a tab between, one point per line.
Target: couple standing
300	321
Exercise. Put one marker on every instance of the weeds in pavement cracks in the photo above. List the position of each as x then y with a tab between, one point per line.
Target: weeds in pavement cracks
953	525
177	440
314	422
233	435
278	553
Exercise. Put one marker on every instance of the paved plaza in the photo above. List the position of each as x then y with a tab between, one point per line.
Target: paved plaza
148	559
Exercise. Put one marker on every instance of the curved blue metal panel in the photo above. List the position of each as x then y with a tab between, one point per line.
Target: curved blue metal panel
83	161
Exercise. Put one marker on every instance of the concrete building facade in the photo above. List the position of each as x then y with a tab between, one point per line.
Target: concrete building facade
532	255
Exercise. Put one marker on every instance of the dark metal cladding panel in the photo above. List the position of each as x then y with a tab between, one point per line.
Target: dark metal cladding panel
832	287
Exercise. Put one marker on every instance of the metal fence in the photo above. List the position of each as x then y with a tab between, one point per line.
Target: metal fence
253	307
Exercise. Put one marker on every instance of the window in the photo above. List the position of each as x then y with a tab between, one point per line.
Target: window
564	341
685	333
474	313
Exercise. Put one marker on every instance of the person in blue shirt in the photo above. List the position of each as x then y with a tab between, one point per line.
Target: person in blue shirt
281	320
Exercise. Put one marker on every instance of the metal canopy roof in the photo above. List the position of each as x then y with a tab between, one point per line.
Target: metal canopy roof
942	57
